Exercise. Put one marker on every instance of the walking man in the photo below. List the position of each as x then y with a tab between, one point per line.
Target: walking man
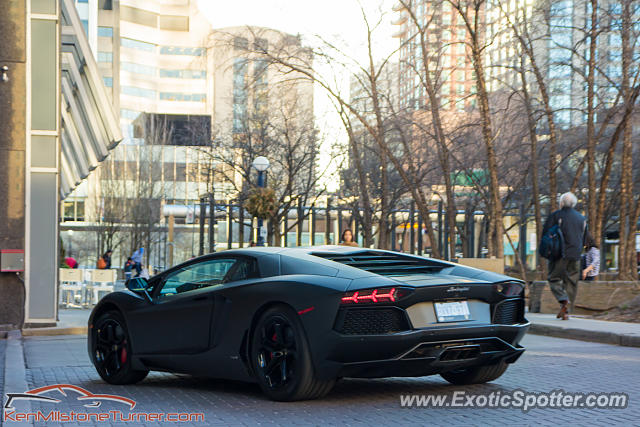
564	272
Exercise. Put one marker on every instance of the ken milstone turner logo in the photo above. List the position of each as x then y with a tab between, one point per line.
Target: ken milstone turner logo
51	394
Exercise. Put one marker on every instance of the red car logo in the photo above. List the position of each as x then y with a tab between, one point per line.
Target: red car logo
96	399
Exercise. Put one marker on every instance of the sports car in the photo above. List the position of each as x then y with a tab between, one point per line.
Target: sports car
295	320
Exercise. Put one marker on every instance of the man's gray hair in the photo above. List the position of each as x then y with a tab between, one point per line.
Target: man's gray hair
568	200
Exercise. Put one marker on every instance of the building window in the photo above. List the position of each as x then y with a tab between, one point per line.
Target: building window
105	32
183	74
105	57
108	81
176	50
138	91
240	97
73	210
186	97
138	68
137	44
261	45
240	43
85	25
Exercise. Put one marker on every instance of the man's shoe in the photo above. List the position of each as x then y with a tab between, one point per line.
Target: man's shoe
563	311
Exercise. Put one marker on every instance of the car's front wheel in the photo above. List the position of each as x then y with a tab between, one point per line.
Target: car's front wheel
111	350
476	374
281	359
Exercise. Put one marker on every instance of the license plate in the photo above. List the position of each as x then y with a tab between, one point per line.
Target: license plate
452	311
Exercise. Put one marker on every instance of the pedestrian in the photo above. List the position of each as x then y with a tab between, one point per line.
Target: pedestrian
137	260
564	271
71	262
592	259
347	238
128	267
107	258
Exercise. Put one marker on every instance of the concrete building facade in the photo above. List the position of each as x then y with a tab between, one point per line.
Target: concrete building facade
177	88
57	126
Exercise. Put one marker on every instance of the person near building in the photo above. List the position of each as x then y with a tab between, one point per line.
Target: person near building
564	271
128	269
107	258
592	259
137	260
347	238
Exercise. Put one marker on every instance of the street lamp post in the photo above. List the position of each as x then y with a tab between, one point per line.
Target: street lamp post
261	164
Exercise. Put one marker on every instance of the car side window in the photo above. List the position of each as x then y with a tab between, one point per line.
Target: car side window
197	276
244	269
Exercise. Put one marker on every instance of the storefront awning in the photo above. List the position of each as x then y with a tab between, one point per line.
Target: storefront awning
90	126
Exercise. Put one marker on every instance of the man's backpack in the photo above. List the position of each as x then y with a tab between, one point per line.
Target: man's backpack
102	264
552	243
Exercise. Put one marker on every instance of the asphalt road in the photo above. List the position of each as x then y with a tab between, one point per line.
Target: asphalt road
548	364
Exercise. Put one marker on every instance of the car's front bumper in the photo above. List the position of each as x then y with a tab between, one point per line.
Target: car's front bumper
421	351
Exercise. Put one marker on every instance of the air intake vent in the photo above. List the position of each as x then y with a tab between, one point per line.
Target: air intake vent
384	263
371	321
507	312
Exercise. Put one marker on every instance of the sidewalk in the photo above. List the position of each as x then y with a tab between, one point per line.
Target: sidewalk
578	328
73	321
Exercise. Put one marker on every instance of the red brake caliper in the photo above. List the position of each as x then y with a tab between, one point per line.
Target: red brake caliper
123	355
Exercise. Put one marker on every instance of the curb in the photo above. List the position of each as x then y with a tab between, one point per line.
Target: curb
15	380
625	340
48	332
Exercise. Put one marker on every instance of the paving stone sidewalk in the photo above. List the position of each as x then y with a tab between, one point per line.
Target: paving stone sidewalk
580	328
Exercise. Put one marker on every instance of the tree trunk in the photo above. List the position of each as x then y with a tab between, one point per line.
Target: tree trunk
591	142
533	146
439	134
627	223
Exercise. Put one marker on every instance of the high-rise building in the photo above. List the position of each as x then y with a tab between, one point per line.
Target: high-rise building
446	38
176	89
558	33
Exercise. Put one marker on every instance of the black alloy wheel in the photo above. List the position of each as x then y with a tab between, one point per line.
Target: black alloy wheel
281	358
111	350
277	351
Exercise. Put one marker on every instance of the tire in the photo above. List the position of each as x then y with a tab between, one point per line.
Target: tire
476	374
281	360
111	350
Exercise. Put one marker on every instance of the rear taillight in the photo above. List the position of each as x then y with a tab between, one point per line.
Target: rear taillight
509	289
374	296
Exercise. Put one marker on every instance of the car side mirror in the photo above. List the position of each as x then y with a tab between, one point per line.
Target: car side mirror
139	285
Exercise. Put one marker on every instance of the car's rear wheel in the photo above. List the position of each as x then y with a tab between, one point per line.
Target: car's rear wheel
281	359
476	374
111	350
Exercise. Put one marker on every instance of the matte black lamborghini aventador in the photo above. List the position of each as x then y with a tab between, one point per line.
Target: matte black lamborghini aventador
296	319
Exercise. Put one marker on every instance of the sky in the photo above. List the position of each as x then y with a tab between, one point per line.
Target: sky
338	21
